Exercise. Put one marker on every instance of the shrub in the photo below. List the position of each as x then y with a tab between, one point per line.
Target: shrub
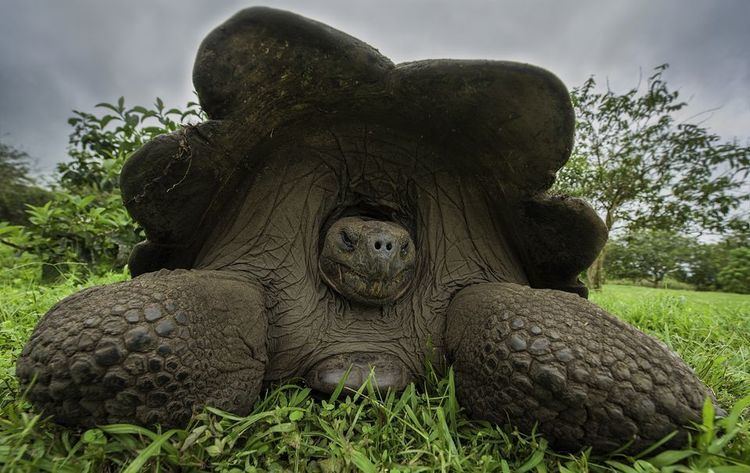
85	223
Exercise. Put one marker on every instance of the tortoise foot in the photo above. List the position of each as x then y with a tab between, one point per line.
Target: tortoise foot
528	356
149	350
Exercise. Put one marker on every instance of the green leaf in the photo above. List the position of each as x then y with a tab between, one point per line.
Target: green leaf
535	459
214	450
94	437
731	469
708	413
106	119
730	421
362	462
285	427
149	452
340	386
193	437
621	467
107	105
670	457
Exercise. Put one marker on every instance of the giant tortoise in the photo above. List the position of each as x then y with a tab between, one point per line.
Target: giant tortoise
337	213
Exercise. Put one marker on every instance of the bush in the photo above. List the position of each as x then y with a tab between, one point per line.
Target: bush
85	223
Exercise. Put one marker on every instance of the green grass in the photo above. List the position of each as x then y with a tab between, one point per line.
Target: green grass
710	330
421	429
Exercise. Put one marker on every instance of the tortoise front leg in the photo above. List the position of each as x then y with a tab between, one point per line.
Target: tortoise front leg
542	356
149	350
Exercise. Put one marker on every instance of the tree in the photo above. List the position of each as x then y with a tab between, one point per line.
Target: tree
735	275
642	168
703	264
647	254
18	187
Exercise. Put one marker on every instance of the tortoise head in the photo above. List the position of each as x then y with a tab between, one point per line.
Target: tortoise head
367	261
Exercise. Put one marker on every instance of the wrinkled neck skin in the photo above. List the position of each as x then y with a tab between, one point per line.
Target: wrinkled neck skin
312	178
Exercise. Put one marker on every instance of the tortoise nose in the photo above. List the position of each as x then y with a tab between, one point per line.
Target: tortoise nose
382	245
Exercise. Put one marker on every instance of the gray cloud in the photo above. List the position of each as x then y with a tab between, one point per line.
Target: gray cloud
57	56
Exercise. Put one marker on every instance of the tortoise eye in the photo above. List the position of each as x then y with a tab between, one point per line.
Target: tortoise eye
347	241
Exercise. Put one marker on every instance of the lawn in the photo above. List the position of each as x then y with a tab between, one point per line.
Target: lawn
421	429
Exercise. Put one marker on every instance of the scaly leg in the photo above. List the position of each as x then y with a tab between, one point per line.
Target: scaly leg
149	350
542	356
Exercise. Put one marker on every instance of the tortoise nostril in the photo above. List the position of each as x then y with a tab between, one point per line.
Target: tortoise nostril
383	246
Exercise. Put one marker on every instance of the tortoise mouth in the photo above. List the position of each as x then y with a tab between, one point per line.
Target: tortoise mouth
359	287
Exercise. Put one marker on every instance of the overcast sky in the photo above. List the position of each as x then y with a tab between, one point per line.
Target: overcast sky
56	56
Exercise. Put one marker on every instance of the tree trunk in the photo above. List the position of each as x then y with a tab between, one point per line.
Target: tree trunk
595	273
